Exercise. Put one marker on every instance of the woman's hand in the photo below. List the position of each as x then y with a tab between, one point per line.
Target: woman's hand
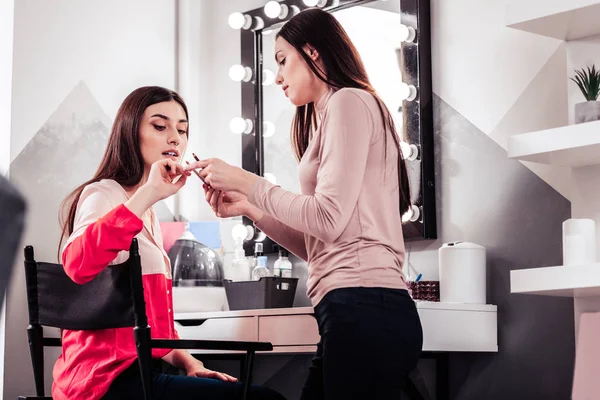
199	370
224	177
165	179
231	204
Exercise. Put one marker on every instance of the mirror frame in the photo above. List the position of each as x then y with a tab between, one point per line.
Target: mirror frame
417	118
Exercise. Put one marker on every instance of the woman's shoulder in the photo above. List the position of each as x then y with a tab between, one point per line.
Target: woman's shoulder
108	188
352	98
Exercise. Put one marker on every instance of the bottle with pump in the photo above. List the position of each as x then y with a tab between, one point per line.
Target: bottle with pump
260	263
283	267
240	265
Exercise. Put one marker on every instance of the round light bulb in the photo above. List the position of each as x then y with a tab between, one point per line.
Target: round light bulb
239	232
407	33
412	214
270	177
310	3
268	129
407	92
236	20
259	23
240	125
260	236
409	151
240	73
274	9
268	77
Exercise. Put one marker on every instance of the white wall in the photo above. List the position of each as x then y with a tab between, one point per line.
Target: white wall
6	63
112	47
6	49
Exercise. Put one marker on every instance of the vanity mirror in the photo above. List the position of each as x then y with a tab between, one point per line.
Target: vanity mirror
393	39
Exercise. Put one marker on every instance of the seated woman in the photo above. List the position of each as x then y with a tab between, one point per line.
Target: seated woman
139	168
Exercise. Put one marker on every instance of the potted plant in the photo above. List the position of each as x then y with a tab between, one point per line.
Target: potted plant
588	81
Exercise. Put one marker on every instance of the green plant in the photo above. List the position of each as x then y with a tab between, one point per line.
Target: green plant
588	82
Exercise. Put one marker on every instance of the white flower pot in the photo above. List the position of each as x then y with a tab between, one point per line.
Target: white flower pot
587	111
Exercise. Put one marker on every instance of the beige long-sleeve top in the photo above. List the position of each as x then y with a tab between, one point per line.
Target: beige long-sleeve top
346	223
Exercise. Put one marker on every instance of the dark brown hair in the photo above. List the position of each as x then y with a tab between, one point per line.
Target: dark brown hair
343	69
122	160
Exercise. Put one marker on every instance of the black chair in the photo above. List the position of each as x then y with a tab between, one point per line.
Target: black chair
113	299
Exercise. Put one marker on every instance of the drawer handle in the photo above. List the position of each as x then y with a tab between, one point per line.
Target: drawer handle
190	322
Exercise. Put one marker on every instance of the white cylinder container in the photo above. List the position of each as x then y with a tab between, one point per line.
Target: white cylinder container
579	241
462	268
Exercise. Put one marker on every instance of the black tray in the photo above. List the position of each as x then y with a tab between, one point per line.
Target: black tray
268	292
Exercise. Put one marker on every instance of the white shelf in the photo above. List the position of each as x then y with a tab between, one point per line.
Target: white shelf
575	145
560	19
563	281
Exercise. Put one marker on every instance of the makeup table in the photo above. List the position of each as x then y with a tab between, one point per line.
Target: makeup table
447	328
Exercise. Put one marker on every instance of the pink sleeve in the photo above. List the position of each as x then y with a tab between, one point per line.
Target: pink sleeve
284	236
344	145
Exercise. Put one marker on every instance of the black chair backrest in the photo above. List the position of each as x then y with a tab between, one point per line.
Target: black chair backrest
12	220
104	302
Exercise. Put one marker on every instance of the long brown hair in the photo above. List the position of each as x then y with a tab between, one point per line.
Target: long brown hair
343	68
122	160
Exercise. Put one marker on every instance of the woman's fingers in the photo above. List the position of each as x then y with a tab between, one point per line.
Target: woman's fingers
214	199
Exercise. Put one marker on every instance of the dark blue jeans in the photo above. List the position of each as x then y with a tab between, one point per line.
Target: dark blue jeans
371	340
128	386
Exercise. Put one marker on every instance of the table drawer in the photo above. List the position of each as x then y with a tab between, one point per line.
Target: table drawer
461	331
238	329
288	330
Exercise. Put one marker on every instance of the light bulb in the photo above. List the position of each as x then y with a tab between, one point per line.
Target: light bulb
239	232
407	92
274	9
268	77
236	20
259	23
409	151
412	214
240	125
407	33
270	177
268	129
260	237
240	73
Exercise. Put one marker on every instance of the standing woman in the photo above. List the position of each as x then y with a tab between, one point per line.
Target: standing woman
347	221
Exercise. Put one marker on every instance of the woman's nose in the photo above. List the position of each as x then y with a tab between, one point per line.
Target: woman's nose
279	79
173	137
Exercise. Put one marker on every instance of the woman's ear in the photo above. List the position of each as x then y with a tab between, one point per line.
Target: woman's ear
311	52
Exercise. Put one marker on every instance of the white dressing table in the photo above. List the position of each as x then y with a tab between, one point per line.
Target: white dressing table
447	328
